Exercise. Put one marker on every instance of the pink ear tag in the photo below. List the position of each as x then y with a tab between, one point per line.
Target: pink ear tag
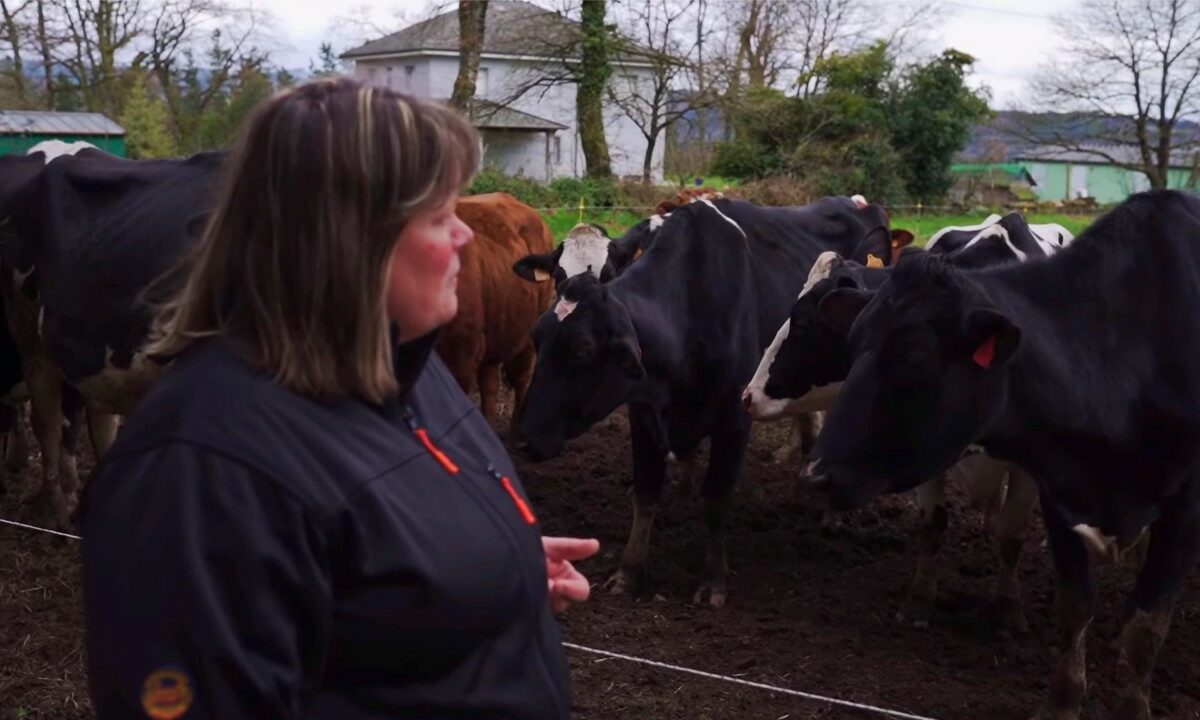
985	353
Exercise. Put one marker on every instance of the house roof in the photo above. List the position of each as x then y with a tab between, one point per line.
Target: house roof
1124	154
36	122
512	27
1011	171
490	116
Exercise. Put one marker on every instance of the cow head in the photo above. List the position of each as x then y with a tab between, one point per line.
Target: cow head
586	249
929	355
810	359
589	361
801	369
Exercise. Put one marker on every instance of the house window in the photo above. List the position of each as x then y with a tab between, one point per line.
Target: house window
556	150
481	83
409	70
388	82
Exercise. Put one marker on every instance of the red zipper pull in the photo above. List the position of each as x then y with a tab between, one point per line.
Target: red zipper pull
522	506
423	435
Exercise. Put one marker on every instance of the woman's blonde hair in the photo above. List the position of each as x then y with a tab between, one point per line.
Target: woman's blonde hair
293	260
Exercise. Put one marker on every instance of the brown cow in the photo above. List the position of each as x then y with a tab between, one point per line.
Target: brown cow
496	309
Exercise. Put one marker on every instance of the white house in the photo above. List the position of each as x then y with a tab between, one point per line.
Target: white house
534	134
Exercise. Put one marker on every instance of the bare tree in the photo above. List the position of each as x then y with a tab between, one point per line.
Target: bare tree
93	33
1130	71
10	15
471	22
174	29
655	26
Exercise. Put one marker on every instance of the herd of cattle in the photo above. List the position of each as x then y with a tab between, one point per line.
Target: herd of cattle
1017	361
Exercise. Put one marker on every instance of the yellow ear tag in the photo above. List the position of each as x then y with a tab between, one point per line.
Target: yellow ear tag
873	262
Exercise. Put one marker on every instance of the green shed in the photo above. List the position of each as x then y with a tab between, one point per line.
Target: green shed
22	129
1070	174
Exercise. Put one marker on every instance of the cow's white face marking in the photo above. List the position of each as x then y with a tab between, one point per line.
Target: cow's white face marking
764	407
728	219
990	220
55	148
1000	232
1051	237
859	200
585	249
564	308
656	221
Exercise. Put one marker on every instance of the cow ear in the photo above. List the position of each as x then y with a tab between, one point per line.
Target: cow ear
840	307
874	249
991	338
629	357
538	268
901	238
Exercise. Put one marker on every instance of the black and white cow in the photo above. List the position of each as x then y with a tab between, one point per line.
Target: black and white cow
805	366
676	336
1079	368
83	241
17	175
588	248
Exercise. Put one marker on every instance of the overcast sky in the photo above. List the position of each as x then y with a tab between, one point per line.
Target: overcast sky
1010	38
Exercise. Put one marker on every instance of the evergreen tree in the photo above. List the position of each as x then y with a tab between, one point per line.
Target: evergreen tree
145	121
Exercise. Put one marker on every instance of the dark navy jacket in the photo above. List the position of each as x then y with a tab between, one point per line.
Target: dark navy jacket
251	553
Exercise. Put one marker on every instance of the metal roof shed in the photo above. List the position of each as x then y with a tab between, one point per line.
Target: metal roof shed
22	129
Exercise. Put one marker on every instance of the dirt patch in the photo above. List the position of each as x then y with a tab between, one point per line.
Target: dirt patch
810	608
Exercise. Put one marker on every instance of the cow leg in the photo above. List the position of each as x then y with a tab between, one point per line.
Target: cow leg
489	388
649	474
68	471
102	429
16	451
1076	598
45	389
804	435
1170	555
931	499
727	452
518	373
9	420
1013	517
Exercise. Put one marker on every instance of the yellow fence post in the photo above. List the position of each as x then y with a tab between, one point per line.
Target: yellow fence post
581	206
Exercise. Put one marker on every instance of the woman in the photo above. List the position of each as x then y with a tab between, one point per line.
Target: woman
306	517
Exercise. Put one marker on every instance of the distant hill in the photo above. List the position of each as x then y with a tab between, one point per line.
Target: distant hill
1011	133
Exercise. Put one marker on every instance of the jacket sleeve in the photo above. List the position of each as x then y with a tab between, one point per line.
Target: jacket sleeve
206	590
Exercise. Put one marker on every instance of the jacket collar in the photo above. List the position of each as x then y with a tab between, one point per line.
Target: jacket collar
410	358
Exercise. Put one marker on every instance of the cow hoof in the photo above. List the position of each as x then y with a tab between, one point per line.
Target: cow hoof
711	593
622	582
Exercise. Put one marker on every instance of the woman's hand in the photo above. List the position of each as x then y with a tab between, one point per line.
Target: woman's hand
567	585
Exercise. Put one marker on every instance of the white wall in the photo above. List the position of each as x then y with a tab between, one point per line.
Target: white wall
434	78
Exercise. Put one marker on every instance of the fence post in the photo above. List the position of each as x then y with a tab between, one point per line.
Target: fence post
581	206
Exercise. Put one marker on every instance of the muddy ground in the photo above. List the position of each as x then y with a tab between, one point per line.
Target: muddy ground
811	608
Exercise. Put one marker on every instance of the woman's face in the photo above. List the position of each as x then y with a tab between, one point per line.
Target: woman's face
422	281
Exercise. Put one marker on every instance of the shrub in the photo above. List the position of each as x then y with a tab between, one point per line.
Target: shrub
594	191
741	159
779	190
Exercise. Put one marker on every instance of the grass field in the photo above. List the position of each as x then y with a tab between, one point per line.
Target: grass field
618	221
